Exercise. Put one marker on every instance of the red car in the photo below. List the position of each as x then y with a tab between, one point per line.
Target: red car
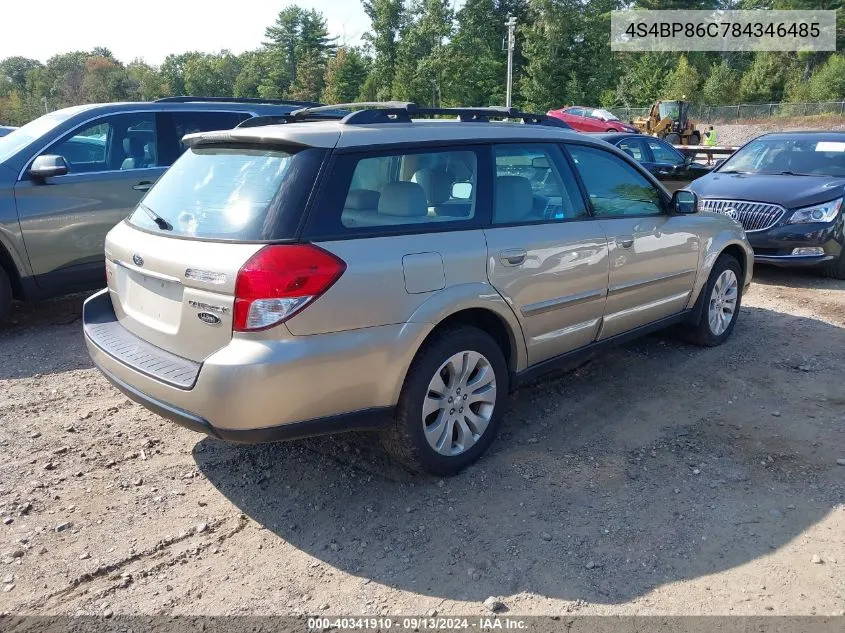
586	119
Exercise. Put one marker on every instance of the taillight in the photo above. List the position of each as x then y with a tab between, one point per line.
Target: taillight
279	281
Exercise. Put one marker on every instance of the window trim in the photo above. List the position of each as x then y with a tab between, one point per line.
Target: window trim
644	148
654	158
664	199
327	198
552	222
156	112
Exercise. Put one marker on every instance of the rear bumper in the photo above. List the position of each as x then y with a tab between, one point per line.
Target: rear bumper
256	389
357	420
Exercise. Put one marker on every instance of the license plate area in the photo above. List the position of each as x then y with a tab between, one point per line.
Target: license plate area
151	300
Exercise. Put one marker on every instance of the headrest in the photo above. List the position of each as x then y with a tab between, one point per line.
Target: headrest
133	146
436	184
361	199
405	199
514	198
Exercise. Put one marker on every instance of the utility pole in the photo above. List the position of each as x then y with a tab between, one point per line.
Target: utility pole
511	24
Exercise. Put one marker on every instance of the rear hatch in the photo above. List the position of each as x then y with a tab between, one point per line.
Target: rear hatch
173	266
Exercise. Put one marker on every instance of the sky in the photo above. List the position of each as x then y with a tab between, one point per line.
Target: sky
151	29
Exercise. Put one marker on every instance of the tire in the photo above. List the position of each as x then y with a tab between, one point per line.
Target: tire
695	139
673	139
707	331
5	296
406	439
836	268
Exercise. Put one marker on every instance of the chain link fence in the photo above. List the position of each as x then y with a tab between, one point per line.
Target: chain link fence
745	111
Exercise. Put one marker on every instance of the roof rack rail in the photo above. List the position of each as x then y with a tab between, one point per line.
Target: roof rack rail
190	99
372	112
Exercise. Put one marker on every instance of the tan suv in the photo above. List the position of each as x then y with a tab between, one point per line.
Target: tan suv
389	272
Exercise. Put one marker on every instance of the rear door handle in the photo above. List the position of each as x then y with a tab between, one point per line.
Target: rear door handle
143	186
625	242
514	257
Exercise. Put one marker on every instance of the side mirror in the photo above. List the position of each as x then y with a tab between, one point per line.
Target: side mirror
462	190
684	201
48	166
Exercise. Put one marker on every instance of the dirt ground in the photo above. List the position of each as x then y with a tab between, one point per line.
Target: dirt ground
657	479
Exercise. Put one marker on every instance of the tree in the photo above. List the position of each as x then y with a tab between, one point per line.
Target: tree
211	75
421	59
310	72
387	18
683	82
298	33
477	59
765	79
720	87
14	70
346	73
104	80
145	82
828	82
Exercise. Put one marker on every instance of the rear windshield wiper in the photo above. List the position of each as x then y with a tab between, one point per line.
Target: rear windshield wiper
161	223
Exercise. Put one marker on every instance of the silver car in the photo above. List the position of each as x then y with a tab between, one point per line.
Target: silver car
389	272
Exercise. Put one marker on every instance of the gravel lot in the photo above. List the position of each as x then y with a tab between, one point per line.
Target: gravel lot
657	479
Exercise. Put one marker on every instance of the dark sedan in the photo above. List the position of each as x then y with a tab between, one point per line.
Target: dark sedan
667	164
5	129
786	190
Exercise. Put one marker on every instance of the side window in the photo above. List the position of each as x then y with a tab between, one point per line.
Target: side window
576	111
408	189
534	183
615	188
634	148
119	142
664	153
190	122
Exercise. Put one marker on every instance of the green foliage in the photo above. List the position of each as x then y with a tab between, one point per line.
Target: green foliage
683	82
766	78
828	82
346	73
386	18
720	87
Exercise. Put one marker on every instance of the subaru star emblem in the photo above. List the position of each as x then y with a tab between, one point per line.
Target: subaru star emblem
139	261
207	317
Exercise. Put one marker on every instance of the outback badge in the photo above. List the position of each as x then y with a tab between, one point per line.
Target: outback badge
207	317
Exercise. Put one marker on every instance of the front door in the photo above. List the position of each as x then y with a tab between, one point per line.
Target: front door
546	256
653	255
112	162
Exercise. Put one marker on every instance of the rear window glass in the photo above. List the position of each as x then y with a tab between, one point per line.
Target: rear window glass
231	193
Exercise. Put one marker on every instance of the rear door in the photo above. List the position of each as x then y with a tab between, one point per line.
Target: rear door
112	161
546	256
653	255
